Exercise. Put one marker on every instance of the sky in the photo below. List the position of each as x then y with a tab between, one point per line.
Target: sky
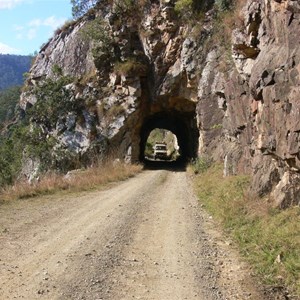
26	24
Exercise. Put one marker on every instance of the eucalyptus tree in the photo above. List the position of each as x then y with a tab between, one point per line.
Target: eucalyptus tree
80	7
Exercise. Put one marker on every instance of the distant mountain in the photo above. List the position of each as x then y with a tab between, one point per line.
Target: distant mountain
12	68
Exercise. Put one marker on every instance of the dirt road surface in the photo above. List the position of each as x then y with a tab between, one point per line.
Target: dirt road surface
144	238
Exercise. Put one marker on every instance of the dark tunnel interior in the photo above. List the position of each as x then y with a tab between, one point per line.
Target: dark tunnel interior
182	124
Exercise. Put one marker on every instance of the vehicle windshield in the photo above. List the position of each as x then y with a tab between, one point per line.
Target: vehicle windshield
160	147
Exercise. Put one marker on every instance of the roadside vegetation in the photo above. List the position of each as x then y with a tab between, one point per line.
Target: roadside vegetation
9	99
75	181
32	139
268	238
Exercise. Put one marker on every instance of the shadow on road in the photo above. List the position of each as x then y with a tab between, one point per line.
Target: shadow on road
175	166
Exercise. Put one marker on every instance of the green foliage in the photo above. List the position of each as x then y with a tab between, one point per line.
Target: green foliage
269	239
114	111
54	100
224	5
11	150
148	149
12	68
40	146
20	142
130	11
57	70
97	30
130	66
8	102
201	164
192	11
217	126
225	20
184	6
33	137
123	7
80	7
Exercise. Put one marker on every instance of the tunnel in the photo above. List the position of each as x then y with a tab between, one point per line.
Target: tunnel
182	124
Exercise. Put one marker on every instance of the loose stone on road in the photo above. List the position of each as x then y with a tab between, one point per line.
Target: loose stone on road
145	238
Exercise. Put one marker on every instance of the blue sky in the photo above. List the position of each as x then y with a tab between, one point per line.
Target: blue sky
27	24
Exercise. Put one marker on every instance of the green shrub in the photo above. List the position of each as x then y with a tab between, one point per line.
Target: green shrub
8	102
54	100
184	6
124	6
57	70
97	31
11	153
80	7
224	4
201	164
130	10
217	126
130	66
114	111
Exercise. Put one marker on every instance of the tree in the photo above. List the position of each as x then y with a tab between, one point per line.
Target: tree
9	99
80	7
224	4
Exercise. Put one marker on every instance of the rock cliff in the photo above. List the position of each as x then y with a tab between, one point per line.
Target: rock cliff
226	84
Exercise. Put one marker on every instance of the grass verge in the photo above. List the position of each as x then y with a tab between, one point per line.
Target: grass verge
268	238
79	180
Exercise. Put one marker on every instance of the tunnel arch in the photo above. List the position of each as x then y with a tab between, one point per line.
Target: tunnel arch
182	124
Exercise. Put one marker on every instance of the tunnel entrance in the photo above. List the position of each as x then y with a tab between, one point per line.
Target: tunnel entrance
182	124
162	145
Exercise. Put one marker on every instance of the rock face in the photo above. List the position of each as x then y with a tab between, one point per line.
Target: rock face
233	97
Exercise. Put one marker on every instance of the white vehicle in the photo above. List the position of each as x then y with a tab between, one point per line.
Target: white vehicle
160	151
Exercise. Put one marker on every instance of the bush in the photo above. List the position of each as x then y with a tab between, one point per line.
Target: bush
224	4
201	164
130	10
8	102
80	7
130	66
11	153
184	6
54	100
97	31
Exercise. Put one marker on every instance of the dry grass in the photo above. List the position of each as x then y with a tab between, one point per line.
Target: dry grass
130	67
80	180
268	238
224	24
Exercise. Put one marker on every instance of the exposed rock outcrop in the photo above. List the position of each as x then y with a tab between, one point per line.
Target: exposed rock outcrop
238	105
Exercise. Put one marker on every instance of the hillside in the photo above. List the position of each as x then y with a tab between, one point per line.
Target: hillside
222	75
223	83
12	68
8	101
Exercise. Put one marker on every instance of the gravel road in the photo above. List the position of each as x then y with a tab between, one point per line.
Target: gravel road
144	238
